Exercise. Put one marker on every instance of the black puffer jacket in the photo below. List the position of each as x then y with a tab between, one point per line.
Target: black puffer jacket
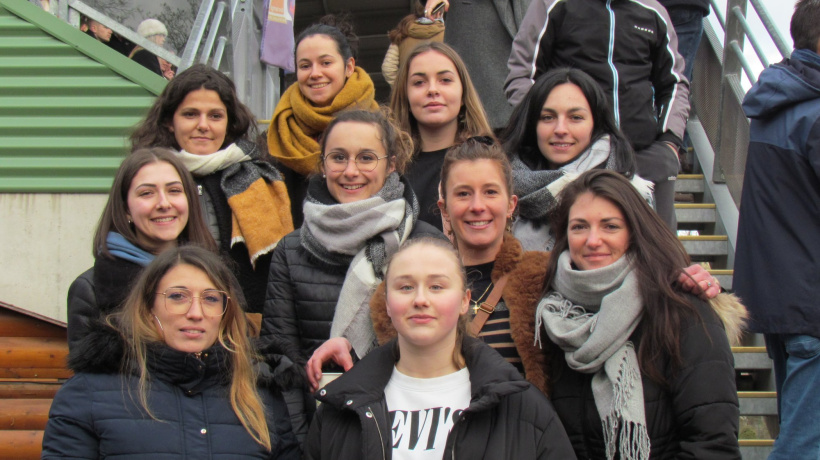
94	416
507	418
97	292
696	417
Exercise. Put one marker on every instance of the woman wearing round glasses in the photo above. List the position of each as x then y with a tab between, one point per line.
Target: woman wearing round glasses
357	213
173	374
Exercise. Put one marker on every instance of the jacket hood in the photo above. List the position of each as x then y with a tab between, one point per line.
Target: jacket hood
789	82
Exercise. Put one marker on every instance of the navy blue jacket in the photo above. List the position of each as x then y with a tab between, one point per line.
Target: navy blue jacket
97	414
777	266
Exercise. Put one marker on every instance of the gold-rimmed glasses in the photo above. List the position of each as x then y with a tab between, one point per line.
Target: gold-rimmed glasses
179	300
365	161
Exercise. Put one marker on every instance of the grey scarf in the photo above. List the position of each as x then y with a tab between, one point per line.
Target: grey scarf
361	235
591	314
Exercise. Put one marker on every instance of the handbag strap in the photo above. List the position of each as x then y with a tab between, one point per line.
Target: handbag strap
486	308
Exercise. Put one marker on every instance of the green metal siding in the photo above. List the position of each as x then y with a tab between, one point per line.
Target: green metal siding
67	104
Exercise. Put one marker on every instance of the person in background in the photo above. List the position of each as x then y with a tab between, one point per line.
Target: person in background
637	66
778	252
328	82
475	404
153	206
631	351
412	31
482	33
173	374
104	34
155	31
434	100
245	201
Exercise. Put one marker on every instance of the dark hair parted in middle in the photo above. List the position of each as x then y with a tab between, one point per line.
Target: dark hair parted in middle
397	143
154	130
658	258
520	137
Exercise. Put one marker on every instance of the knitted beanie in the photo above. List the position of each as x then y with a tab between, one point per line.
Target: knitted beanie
151	27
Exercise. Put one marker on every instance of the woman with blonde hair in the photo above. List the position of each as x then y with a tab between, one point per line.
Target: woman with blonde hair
174	366
435	101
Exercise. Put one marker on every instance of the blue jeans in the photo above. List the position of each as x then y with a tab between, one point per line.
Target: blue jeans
797	374
688	23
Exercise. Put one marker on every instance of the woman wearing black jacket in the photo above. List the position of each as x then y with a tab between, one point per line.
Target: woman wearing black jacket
433	392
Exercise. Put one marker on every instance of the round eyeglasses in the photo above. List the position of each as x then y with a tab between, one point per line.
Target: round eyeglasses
366	162
179	300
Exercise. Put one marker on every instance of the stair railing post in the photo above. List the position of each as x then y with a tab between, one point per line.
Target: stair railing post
730	81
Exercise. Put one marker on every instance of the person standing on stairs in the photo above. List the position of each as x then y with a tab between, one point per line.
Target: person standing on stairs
778	252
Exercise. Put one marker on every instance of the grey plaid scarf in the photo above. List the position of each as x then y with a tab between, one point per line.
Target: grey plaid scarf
361	235
591	314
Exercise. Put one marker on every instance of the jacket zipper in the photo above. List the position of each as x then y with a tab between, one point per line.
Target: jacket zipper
379	430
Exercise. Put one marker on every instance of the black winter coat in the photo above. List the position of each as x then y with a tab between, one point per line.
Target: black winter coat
696	417
507	418
95	416
97	292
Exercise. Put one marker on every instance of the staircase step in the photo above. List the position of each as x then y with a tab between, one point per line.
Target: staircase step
751	358
757	402
695	213
24	414
756	449
29	389
724	277
705	245
21	444
26	357
690	183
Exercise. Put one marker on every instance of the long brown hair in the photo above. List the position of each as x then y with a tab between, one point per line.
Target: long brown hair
472	120
658	258
115	214
137	329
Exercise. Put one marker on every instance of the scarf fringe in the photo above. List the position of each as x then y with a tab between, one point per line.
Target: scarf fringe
633	438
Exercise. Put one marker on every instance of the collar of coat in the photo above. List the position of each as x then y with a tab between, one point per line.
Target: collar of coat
521	295
491	378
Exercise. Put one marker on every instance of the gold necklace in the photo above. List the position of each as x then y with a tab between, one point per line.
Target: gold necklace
477	303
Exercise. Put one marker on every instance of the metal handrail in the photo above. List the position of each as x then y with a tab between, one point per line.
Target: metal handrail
766	19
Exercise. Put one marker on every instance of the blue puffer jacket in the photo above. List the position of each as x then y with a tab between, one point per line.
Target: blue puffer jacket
777	263
97	414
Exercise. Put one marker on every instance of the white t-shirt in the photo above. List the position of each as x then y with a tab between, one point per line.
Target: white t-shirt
422	412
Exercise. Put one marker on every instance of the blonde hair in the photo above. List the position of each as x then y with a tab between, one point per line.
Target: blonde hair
134	322
472	120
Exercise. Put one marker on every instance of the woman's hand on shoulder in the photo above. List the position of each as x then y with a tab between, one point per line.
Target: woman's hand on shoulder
336	349
699	281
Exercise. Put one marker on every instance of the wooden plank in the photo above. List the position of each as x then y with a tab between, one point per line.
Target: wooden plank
34	373
12	389
24	414
32	314
26	352
21	444
14	324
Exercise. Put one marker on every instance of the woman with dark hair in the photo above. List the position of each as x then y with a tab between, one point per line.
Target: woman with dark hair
435	101
563	127
152	207
246	203
173	374
471	402
632	351
328	81
357	213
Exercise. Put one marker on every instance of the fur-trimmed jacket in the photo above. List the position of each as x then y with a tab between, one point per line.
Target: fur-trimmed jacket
97	413
526	270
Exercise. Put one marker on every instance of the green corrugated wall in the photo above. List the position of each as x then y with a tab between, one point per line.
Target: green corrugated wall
67	104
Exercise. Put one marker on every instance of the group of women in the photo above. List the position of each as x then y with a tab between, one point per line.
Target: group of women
199	229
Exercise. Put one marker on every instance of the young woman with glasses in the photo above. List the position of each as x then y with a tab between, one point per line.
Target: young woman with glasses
153	206
171	374
357	213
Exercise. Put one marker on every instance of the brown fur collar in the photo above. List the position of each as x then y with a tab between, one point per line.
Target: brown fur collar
521	295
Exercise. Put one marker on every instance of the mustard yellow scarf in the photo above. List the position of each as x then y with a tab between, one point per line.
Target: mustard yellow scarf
296	123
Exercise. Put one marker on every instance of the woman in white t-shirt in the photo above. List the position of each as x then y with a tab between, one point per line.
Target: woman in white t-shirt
433	392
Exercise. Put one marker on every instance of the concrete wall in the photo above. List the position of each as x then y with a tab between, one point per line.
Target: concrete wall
45	242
